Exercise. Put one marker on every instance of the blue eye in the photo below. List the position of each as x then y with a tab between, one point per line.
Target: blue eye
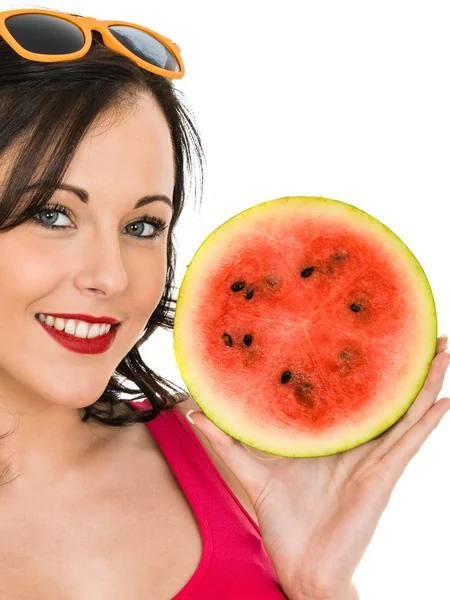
158	224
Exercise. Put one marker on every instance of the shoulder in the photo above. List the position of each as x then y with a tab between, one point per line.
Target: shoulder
226	473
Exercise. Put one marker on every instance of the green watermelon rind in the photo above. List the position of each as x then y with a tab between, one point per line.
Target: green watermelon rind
212	242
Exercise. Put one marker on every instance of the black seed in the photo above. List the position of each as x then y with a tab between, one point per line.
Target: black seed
343	355
307	272
285	377
227	339
238	286
248	295
248	339
356	307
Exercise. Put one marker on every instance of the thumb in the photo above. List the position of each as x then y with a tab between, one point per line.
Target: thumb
248	468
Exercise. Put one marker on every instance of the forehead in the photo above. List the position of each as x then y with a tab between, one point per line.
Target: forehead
127	149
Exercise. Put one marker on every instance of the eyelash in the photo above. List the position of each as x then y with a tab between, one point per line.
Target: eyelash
157	223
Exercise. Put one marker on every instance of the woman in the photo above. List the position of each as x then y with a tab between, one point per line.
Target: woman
102	497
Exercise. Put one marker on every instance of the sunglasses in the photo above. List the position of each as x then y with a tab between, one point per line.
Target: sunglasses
49	36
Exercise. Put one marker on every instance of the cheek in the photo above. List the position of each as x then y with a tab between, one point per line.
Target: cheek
26	271
147	280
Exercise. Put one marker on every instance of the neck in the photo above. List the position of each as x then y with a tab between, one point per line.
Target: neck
44	444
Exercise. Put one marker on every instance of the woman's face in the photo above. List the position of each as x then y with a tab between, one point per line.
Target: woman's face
100	265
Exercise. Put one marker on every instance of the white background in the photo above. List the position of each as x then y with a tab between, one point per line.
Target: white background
347	100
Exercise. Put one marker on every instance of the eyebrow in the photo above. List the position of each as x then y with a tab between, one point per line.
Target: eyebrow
84	196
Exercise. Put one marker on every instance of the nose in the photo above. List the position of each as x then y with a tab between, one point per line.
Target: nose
101	267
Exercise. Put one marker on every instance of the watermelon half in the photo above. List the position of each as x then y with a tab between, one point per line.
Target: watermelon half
304	327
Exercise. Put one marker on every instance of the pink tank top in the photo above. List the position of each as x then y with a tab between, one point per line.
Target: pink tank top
234	564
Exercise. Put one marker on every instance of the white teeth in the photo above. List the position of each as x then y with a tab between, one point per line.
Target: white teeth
93	331
81	330
59	324
76	328
70	326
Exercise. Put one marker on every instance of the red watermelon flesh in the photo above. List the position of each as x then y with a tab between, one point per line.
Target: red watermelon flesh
304	327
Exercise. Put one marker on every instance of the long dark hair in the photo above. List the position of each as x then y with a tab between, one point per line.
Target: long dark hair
45	111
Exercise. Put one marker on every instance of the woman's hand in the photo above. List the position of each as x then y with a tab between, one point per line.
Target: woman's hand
318	515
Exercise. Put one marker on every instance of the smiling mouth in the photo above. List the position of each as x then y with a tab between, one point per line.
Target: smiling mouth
97	344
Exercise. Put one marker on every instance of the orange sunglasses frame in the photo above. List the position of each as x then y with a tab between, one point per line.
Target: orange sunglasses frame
87	25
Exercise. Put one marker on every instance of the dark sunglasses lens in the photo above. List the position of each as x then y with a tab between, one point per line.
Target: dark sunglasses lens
45	34
145	46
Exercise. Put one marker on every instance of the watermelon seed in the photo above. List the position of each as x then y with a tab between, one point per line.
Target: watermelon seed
307	272
339	257
343	355
238	286
285	377
227	339
248	339
356	307
248	295
271	282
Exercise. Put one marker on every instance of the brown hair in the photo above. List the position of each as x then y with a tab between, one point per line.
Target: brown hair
45	111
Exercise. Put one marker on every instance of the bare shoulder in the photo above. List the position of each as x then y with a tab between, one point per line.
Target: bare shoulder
229	477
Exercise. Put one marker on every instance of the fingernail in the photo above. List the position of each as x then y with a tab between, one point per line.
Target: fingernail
444	335
188	417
